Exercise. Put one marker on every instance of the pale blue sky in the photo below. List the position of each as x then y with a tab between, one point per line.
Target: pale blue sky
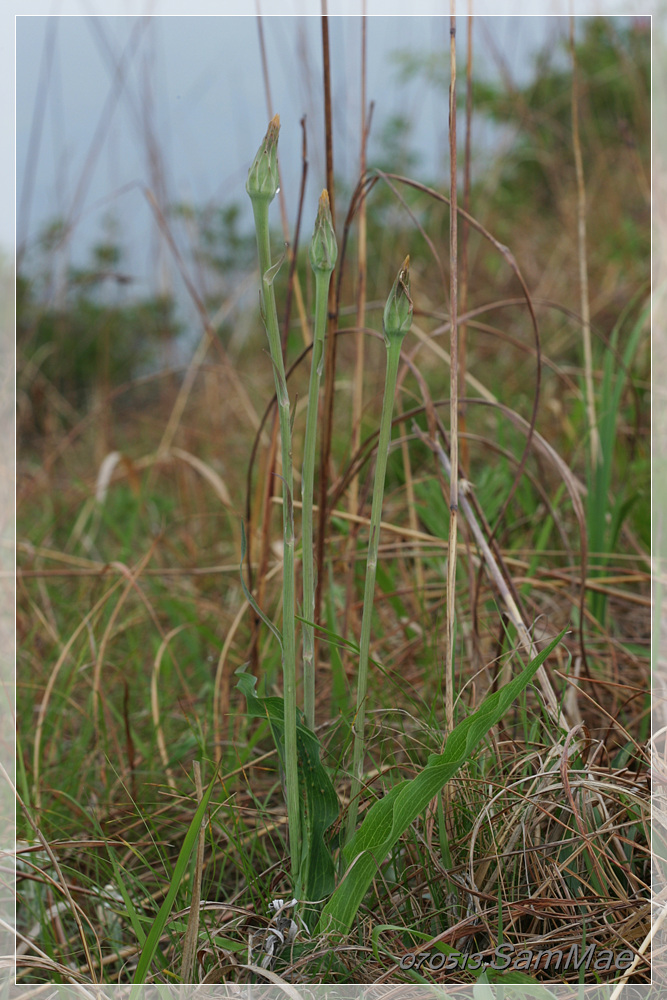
195	84
188	61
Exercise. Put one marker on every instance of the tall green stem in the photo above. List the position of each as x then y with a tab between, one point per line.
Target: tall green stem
323	253
262	186
397	321
321	296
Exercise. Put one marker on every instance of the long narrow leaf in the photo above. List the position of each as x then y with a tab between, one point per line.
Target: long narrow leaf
391	816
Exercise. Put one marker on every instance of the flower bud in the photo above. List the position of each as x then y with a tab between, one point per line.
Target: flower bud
323	248
398	310
263	178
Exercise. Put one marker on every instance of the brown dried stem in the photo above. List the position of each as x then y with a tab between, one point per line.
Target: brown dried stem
454	386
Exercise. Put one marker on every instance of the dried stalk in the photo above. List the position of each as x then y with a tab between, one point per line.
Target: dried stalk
454	385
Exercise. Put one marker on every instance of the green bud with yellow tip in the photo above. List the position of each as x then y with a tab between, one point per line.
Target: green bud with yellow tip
323	250
263	180
398	310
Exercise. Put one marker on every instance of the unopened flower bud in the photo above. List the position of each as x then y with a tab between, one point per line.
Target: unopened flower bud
263	178
323	247
398	310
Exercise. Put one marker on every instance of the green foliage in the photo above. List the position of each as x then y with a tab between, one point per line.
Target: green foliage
391	815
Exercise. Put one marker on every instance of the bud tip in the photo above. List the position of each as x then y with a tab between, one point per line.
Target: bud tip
397	317
323	247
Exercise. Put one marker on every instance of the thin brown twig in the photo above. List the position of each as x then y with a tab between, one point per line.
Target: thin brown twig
358	377
358	383
330	362
453	382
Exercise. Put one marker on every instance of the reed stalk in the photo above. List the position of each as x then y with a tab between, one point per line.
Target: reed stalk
332	340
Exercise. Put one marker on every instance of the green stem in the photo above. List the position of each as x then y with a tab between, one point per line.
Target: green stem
393	357
261	213
322	280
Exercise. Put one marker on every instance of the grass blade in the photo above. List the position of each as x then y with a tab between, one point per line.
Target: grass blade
156	930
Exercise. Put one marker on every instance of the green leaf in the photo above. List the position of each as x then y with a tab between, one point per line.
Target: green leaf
319	802
272	273
391	816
